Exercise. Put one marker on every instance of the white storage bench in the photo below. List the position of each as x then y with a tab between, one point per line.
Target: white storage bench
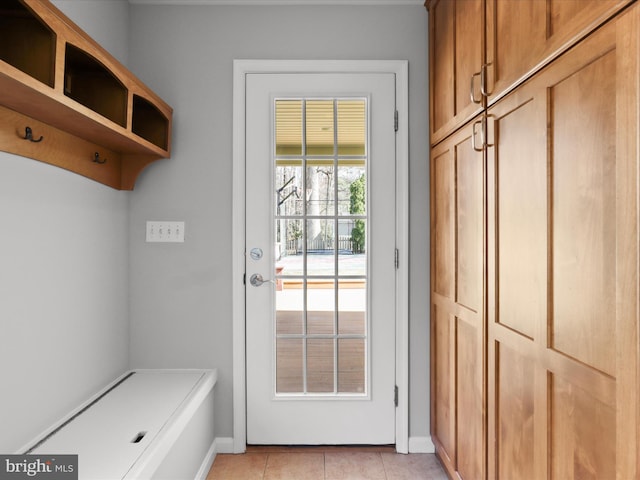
148	424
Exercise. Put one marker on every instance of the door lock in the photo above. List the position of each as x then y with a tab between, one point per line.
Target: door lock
256	280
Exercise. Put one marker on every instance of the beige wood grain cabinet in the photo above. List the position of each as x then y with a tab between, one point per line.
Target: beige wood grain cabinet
84	111
481	49
562	296
456	42
523	36
458	302
535	363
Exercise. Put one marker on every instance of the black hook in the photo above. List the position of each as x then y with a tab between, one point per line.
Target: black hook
28	135
96	159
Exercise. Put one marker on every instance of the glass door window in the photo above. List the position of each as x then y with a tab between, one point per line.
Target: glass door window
321	295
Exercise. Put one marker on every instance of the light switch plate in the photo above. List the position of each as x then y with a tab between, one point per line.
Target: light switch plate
161	231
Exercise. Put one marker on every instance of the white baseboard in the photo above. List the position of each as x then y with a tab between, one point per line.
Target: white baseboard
224	444
421	445
219	445
203	471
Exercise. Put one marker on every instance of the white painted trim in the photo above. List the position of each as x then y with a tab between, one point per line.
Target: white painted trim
219	445
421	445
205	466
238	262
237	3
402	243
224	445
240	70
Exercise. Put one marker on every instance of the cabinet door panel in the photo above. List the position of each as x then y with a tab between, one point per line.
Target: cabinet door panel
469	226
524	35
576	219
442	54
520	216
469	398
583	432
442	240
514	414
456	53
584	213
519	37
457	321
469	54
443	394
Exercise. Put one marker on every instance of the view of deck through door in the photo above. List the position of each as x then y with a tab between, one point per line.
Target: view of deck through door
320	249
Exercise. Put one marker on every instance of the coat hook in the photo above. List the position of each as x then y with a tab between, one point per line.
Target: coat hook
28	135
96	159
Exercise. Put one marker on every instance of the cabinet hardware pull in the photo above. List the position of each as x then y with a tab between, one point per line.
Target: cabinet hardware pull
96	159
485	130
473	136
28	135
483	79
471	89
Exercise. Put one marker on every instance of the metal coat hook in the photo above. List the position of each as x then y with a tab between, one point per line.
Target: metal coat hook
28	135
96	159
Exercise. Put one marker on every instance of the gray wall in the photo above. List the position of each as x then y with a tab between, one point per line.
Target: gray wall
180	293
84	297
63	275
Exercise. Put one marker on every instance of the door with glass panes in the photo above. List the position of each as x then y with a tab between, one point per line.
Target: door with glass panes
320	249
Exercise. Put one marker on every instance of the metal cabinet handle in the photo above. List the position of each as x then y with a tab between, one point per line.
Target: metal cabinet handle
483	79
472	90
473	135
485	129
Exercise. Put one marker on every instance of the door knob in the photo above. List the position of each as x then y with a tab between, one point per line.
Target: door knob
256	280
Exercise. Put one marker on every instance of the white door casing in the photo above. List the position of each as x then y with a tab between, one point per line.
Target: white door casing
400	368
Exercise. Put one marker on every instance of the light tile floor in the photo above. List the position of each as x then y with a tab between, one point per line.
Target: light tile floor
326	463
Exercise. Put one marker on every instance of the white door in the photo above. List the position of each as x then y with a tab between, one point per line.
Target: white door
320	258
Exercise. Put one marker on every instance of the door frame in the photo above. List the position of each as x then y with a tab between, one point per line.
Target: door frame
241	68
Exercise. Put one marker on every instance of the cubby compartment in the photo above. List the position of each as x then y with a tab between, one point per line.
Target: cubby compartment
90	83
88	113
149	122
27	43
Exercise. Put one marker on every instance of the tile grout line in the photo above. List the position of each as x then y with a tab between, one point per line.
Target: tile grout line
324	465
384	467
264	470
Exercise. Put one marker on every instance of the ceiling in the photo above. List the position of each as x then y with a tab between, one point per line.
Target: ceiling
321	117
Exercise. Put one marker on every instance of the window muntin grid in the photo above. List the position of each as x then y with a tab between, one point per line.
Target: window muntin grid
321	320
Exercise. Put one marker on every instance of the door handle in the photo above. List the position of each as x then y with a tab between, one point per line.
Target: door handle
256	280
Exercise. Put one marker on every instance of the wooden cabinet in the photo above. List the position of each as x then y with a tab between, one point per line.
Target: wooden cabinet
523	36
456	59
562	265
481	49
94	116
457	310
535	350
